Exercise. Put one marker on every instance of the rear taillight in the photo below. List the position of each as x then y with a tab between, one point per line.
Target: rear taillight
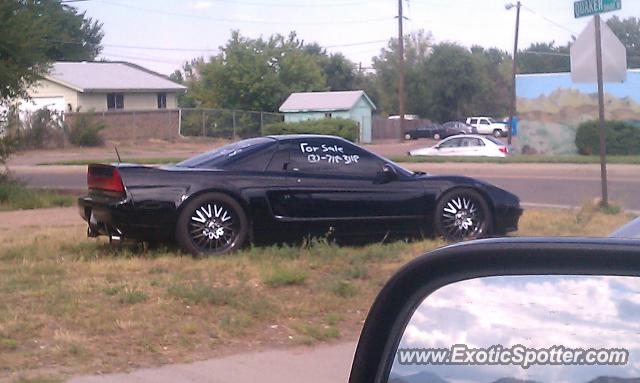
104	177
504	149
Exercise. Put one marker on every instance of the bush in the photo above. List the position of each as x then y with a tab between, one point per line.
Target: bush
85	131
623	138
340	127
41	129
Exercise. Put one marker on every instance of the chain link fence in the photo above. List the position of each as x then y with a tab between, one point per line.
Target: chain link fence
225	123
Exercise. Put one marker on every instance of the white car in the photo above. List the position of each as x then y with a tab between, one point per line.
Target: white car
466	145
487	125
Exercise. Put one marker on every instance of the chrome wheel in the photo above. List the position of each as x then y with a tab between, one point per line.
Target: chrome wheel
462	218
213	227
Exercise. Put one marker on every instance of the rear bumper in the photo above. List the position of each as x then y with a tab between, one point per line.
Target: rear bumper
119	217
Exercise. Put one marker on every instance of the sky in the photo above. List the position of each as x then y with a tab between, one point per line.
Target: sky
535	312
162	34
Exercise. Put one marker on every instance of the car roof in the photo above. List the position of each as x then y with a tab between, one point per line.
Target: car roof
483	138
287	137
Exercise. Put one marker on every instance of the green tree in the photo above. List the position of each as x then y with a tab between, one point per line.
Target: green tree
493	68
628	31
36	32
417	47
255	74
340	72
71	36
452	83
544	58
22	48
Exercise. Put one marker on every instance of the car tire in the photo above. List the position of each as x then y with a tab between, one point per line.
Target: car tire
497	133
463	214
407	137
212	224
436	136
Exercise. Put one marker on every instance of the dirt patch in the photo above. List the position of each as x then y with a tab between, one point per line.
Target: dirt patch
20	219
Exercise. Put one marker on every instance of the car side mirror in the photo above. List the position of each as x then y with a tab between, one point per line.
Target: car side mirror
508	310
387	174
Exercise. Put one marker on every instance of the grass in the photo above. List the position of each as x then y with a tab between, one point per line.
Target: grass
145	161
523	159
16	196
284	276
72	305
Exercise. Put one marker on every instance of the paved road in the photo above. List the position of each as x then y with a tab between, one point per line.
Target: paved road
321	364
554	184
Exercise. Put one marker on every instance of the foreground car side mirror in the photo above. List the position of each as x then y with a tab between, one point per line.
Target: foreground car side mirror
387	174
472	304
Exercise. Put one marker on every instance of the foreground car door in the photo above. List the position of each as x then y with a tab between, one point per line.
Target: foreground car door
334	180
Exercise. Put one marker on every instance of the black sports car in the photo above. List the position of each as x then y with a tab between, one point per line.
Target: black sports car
283	188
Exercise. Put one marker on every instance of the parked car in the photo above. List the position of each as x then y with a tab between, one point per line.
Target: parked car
465	145
438	132
288	187
424	131
487	125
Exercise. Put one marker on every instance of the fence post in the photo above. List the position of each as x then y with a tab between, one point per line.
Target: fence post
202	118
233	116
261	123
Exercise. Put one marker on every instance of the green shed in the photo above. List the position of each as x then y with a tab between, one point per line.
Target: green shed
354	105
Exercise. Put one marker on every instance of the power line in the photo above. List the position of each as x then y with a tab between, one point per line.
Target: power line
172	49
300	5
549	20
355	44
246	21
182	49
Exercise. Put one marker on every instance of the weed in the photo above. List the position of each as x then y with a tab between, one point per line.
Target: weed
356	272
200	292
284	276
342	288
130	296
312	332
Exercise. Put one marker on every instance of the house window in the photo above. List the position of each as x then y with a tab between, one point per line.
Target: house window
115	101
162	101
327	115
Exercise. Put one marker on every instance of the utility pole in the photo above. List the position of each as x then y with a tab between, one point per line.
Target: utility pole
603	138
401	70
512	109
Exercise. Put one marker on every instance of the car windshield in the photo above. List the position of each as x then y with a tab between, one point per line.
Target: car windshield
228	153
494	140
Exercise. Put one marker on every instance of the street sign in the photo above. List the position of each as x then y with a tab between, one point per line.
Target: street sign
584	8
583	56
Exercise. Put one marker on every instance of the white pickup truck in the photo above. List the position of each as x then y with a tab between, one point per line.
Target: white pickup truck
487	125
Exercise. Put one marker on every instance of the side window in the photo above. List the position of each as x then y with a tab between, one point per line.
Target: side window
280	159
455	142
484	122
332	157
115	101
474	121
468	142
477	142
162	100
